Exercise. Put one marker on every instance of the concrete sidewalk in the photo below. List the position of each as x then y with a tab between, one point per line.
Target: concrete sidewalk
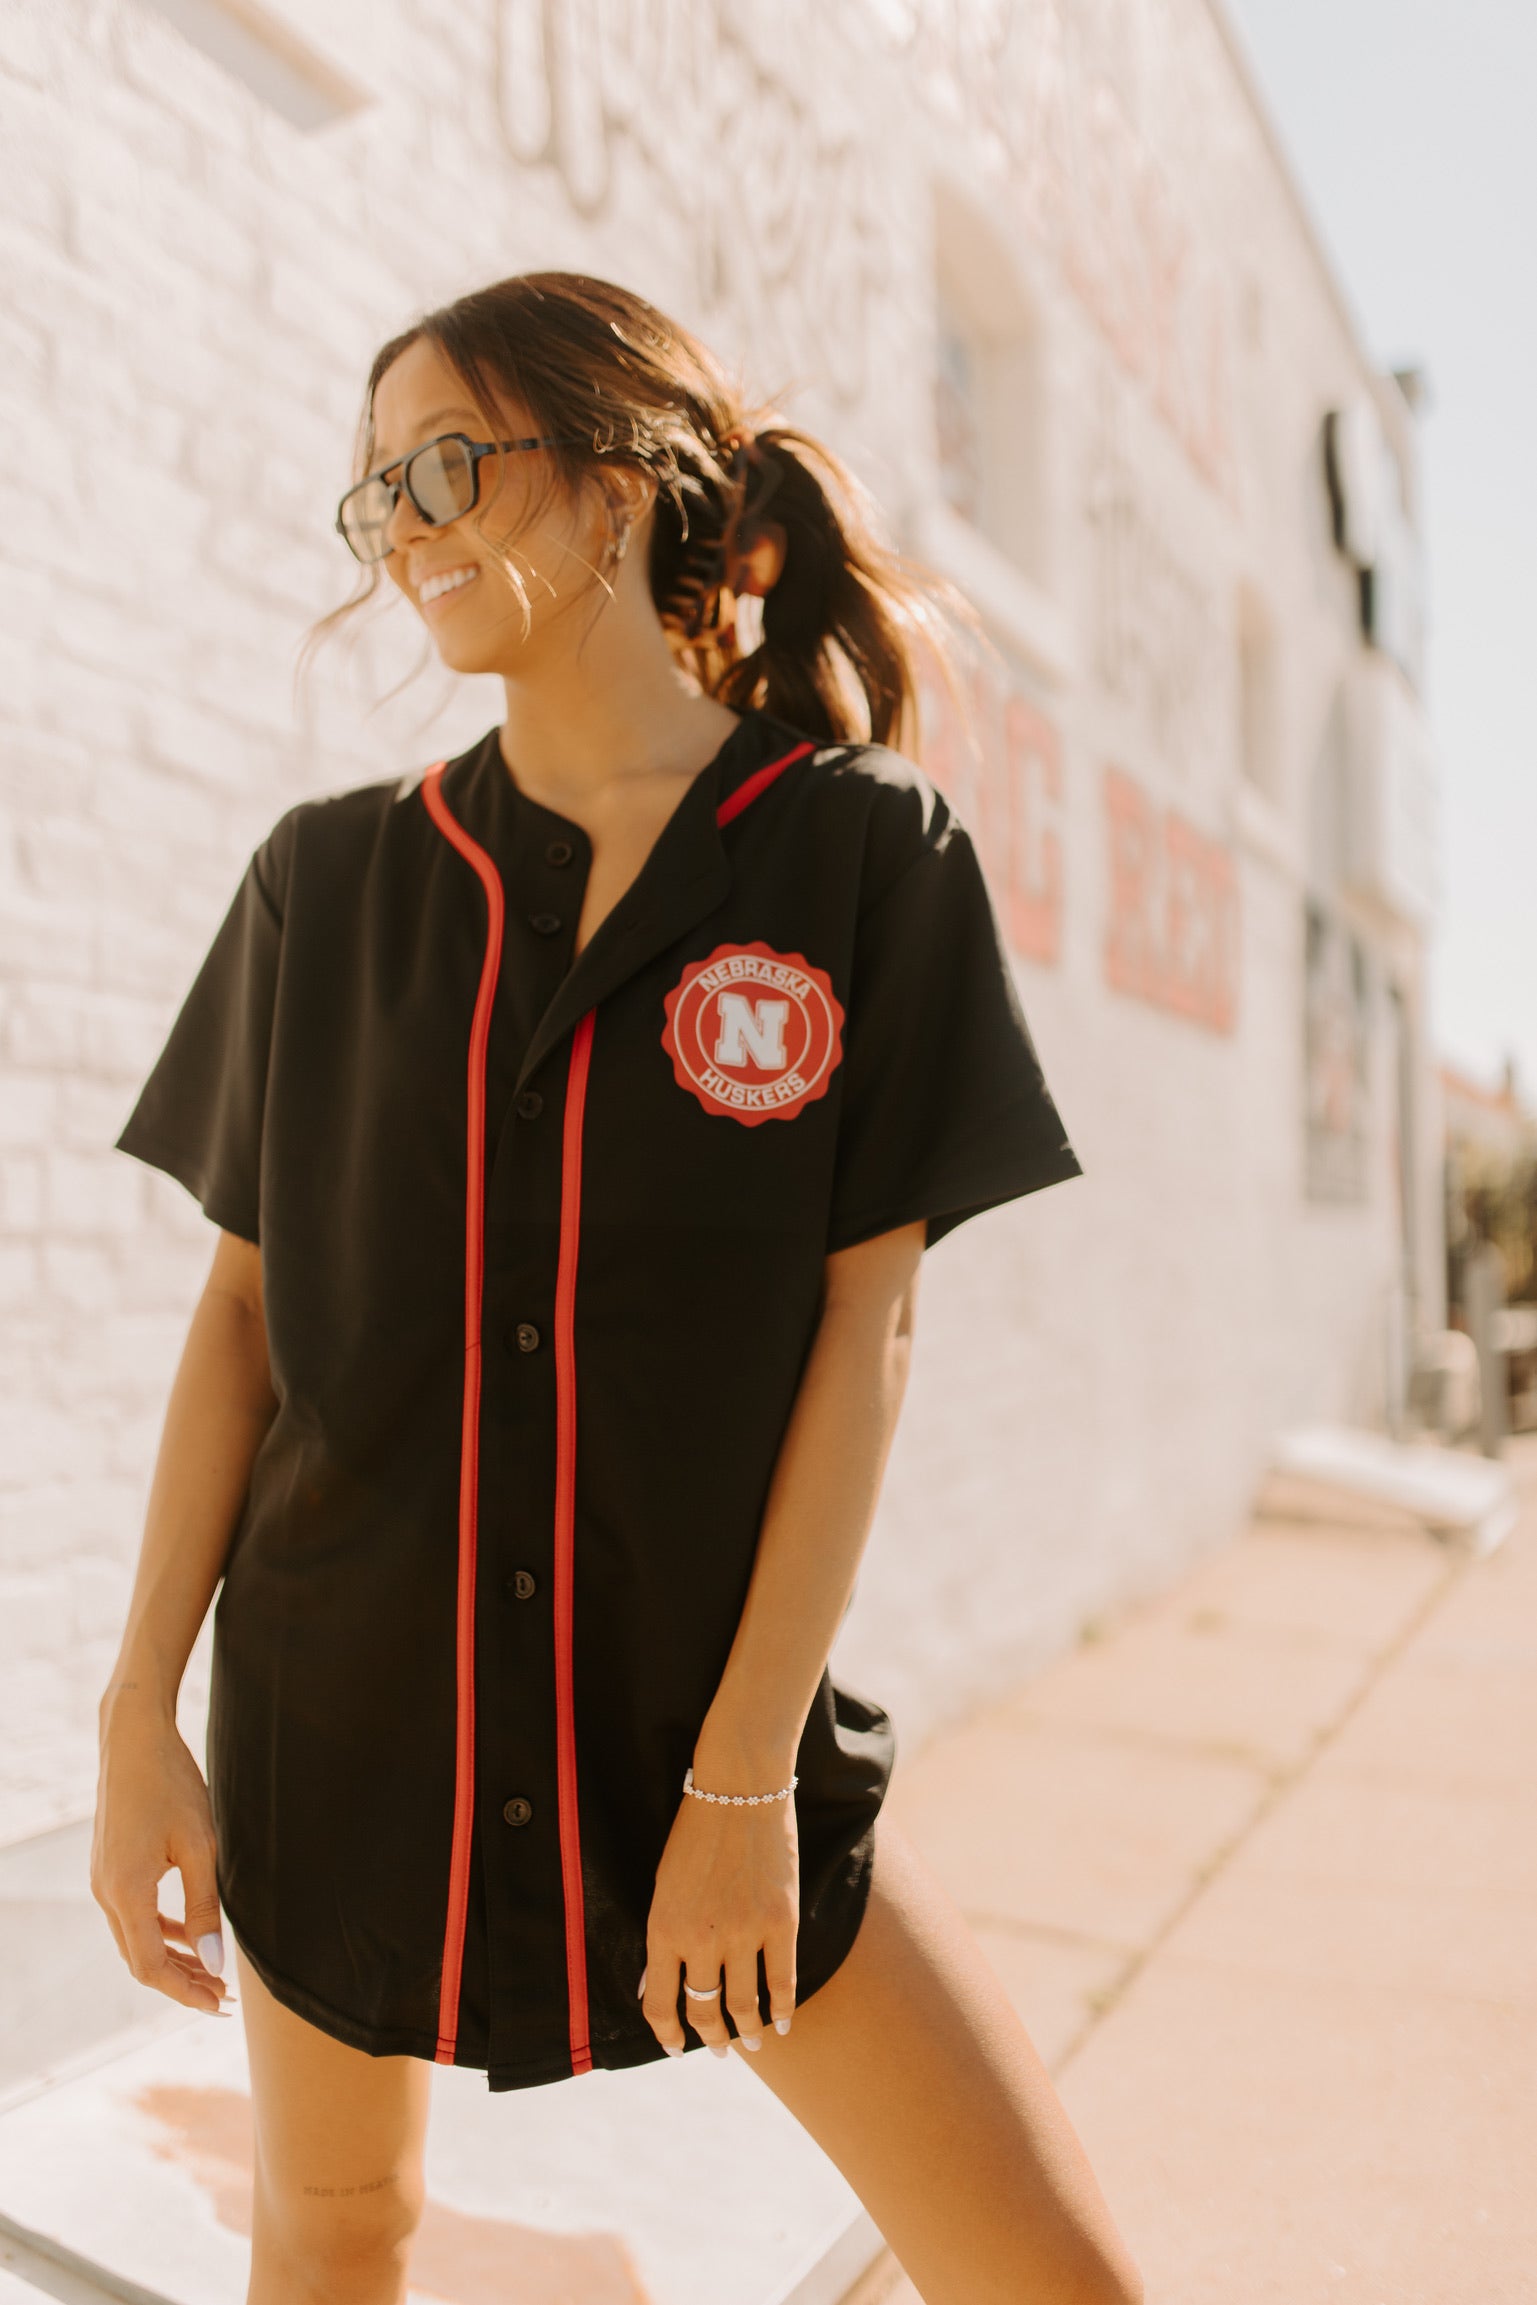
1265	1890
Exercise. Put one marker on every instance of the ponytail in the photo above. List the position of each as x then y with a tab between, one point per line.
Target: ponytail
842	615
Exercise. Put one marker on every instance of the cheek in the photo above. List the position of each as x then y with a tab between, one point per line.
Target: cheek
523	515
508	498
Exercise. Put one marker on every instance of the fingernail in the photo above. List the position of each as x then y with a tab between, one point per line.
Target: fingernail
781	2024
716	2048
641	1987
673	2048
210	1951
746	2044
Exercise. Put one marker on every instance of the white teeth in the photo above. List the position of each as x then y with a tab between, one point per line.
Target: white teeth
436	586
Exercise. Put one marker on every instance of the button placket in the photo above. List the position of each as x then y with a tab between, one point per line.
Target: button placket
516	1717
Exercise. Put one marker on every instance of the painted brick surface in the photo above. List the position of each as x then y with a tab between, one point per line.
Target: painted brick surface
194	289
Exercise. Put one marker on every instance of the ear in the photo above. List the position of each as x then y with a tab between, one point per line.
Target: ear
630	493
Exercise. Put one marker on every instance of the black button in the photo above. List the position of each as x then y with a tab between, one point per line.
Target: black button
522	1584
559	852
518	1810
526	1337
530	1104
544	923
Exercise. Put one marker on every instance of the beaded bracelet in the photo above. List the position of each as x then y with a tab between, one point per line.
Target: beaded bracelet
738	1800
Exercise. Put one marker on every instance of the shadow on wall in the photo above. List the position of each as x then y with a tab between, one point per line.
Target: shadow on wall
460	2259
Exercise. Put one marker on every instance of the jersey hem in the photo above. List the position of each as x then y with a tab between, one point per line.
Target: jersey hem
373	2040
616	2055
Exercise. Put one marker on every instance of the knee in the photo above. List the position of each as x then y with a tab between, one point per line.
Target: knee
345	2246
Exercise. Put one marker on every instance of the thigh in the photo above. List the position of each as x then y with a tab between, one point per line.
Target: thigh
340	2135
913	2072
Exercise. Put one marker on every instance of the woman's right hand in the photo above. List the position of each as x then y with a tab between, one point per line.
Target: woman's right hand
153	1817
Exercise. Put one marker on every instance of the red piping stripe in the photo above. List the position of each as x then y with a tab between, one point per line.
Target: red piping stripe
760	780
469	1453
565	1482
565	1444
565	1540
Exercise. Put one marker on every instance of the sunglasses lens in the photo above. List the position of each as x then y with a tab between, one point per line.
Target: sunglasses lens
440	479
365	514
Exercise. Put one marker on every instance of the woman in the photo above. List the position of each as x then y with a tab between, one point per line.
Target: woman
574	1117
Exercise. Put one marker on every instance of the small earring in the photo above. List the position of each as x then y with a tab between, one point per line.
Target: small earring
622	541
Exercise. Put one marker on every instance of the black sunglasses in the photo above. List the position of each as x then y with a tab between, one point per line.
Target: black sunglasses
441	479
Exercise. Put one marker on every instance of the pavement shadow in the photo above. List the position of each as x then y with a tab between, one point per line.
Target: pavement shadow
458	2258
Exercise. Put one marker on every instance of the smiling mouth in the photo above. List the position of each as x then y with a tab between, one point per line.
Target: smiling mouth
452	580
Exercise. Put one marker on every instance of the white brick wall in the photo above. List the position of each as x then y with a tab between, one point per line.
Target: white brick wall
193	291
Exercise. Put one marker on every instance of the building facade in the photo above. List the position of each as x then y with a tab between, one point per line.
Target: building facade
1037	270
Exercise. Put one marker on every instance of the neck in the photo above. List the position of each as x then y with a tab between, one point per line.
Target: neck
615	707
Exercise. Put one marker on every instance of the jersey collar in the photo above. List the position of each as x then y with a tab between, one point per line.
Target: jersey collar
686	876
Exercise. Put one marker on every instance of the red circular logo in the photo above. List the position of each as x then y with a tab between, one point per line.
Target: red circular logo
753	1033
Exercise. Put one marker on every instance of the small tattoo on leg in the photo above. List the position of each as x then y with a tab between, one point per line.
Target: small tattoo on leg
345	2192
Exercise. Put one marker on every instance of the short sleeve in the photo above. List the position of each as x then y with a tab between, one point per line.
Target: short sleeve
946	1111
199	1114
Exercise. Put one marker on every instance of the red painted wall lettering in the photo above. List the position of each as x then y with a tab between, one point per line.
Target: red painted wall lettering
999	760
1172	936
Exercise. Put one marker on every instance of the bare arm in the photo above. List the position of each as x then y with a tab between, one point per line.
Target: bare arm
152	1811
820	1506
728	1881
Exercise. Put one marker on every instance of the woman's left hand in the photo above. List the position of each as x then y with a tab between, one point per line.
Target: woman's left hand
727	1888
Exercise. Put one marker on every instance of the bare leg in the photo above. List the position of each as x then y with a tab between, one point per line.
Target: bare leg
912	2071
339	2144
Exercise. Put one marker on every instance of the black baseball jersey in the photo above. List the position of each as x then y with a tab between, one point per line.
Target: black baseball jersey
542	1243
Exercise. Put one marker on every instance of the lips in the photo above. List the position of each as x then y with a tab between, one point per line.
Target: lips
436	587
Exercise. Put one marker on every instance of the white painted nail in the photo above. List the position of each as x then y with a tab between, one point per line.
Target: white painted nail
210	1951
749	2044
716	2048
781	2024
673	2048
641	1987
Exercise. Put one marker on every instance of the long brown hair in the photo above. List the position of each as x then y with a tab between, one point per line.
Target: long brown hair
614	381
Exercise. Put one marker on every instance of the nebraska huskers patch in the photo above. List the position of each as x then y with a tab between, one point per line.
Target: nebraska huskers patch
753	1033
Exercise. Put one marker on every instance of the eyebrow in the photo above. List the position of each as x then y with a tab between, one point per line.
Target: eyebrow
383	463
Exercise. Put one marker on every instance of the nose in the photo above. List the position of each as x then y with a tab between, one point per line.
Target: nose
405	523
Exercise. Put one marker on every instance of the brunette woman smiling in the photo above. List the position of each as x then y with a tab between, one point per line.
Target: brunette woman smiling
574	1115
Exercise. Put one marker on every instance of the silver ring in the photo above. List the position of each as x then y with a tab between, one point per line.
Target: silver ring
694	1993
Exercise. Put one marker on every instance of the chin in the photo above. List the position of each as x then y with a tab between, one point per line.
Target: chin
472	652
493	639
